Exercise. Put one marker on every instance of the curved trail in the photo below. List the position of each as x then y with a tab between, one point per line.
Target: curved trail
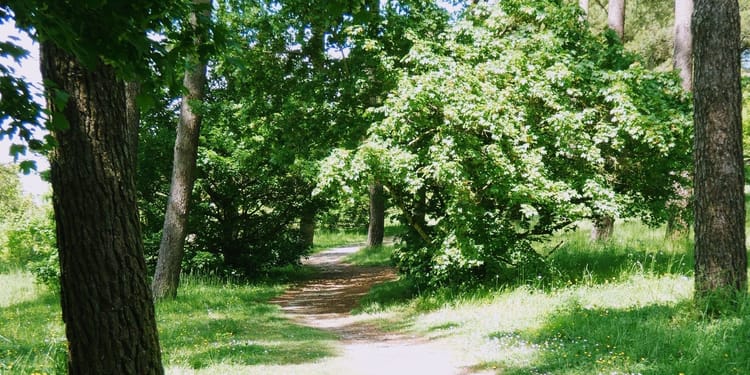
325	302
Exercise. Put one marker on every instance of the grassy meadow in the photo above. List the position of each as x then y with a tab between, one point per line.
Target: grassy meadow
619	307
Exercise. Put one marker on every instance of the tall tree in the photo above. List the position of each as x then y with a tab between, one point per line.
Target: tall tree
616	17
584	4
171	249
376	227
106	302
683	42
604	223
720	254
376	224
677	222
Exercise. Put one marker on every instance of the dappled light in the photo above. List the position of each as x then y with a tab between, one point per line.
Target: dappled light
395	187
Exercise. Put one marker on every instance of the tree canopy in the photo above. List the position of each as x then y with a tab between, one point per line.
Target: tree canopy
516	123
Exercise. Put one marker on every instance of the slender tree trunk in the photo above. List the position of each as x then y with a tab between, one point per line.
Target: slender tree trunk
677	223
171	248
584	4
307	225
683	42
616	17
720	254
376	229
603	228
106	302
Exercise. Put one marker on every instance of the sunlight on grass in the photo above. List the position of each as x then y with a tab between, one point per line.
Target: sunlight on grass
619	307
17	286
623	306
326	239
371	256
213	324
32	339
232	324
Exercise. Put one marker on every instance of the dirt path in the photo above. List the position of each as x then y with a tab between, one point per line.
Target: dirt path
326	301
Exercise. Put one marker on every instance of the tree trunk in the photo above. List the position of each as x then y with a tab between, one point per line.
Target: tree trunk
106	302
171	248
616	17
307	225
584	4
683	42
677	223
720	254
376	229
603	228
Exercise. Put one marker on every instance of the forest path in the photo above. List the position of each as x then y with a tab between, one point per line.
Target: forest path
326	301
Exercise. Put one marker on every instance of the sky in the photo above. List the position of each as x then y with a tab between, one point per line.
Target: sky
29	70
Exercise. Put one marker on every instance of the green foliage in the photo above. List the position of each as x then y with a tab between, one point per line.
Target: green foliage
27	231
19	113
271	112
30	243
13	204
518	122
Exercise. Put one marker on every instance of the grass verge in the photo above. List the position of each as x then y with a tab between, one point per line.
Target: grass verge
623	306
212	325
371	256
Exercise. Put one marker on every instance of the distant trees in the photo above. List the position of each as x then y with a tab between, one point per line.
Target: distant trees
720	252
678	222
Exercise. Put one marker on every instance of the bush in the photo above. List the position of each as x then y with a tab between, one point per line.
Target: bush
519	122
29	242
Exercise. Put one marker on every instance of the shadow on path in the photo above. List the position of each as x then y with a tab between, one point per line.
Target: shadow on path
326	302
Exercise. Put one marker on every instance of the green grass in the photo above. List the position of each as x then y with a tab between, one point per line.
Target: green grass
32	339
372	256
326	239
212	325
620	307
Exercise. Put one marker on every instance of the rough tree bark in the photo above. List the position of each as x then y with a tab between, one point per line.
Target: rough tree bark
376	229
616	17
720	254
307	224
171	248
106	302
